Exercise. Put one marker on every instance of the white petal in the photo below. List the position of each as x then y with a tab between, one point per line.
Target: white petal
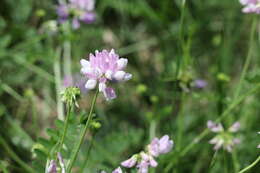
127	77
101	86
121	63
84	63
119	75
86	70
91	84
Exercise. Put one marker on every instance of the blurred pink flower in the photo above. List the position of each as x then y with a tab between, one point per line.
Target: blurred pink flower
251	6
234	127
143	160
160	146
214	127
118	170
52	168
80	10
129	163
103	67
224	139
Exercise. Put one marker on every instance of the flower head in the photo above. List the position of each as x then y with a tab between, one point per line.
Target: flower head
104	67
79	10
200	83
145	159
214	127
224	139
52	168
251	6
129	163
160	146
118	170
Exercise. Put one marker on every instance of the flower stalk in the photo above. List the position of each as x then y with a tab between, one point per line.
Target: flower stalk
83	133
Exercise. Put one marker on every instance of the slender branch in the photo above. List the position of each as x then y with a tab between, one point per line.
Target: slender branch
65	126
250	166
248	59
83	133
57	74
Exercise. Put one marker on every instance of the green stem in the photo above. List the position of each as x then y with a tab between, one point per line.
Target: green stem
248	59
250	166
65	127
67	59
58	86
235	161
83	133
15	157
152	129
179	63
87	155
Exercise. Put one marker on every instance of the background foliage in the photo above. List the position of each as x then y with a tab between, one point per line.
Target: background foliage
168	47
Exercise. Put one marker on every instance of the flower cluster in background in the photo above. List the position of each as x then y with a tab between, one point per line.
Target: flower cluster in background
104	67
251	6
145	159
78	11
53	166
224	138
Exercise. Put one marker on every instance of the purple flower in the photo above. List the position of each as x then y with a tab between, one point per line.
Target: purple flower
129	163
79	10
160	146
118	170
235	127
61	162
214	127
52	168
75	81
143	167
200	84
63	12
225	139
218	142
144	160
251	6
103	67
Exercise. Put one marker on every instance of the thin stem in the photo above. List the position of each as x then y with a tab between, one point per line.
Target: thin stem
250	166
152	129
15	157
57	74
248	59
235	161
65	127
83	133
87	156
67	59
179	64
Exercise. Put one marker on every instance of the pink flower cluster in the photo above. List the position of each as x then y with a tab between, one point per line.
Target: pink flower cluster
251	6
224	138
117	170
104	67
80	10
52	167
143	160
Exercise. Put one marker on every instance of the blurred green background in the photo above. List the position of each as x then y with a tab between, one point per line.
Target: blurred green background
168	47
